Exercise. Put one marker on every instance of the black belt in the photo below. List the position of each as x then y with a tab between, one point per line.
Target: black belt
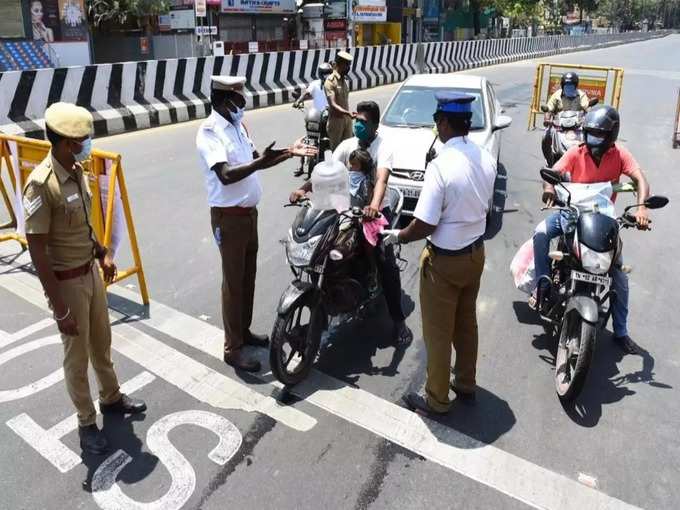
453	253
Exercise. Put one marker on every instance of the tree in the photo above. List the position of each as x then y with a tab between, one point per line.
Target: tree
583	6
119	12
522	12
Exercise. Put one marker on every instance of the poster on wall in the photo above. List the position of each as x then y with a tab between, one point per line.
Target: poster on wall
45	20
73	21
369	11
259	6
11	19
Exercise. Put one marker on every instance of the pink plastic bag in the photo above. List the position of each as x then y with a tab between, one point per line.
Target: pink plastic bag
522	268
373	228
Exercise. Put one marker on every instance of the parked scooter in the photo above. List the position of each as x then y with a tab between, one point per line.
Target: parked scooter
334	275
316	123
566	130
580	279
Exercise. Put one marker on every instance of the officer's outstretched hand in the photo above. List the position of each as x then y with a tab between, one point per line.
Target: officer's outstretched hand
108	268
302	149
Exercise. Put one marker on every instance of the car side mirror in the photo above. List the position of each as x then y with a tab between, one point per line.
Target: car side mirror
593	101
656	202
501	122
544	108
551	176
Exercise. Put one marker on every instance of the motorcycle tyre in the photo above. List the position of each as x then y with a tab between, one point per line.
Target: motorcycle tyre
587	333
313	342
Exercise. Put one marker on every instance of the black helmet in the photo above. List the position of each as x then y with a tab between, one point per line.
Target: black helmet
324	70
569	77
601	126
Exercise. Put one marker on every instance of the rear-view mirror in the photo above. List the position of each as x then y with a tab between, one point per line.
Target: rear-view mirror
501	122
544	108
593	101
656	202
551	176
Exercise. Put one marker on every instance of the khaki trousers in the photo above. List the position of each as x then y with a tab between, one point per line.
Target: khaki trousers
236	237
339	129
85	297
448	299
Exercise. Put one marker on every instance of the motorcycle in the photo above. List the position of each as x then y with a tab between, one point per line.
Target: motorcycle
333	276
579	302
566	129
316	123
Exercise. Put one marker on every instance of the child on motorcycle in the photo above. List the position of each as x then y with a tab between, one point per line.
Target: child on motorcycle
360	178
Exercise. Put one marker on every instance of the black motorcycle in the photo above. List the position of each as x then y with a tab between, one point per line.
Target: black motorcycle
578	304
316	124
334	275
566	130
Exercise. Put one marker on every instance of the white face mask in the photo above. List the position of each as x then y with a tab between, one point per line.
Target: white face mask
85	151
356	179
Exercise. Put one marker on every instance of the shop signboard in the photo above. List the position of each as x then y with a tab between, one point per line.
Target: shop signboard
259	6
369	11
431	11
336	9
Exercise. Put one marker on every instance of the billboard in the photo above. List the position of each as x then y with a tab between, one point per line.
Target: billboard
369	11
593	86
58	20
431	11
259	6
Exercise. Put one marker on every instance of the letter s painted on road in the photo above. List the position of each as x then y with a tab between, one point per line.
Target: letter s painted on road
108	495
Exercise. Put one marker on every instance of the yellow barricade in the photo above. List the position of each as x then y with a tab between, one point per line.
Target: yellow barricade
19	156
604	83
676	129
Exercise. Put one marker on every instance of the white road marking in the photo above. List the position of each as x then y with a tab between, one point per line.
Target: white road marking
7	338
587	480
48	442
108	494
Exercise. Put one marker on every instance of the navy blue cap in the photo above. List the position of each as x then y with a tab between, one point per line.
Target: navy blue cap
454	102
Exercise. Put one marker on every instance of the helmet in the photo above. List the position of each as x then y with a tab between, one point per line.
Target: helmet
569	77
601	127
324	70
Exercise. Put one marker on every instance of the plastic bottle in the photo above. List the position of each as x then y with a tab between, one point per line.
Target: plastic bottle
330	185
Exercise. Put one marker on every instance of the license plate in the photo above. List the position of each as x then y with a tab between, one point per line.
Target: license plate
410	192
591	278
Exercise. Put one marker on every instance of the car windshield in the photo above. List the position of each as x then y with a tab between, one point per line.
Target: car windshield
414	106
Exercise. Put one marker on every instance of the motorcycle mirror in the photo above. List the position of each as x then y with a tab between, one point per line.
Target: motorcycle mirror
544	108
551	176
656	202
593	101
296	94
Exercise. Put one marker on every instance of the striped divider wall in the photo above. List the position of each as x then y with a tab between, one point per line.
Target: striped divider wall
137	95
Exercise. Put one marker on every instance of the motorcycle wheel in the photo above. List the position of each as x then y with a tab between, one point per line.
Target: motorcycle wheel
295	341
574	354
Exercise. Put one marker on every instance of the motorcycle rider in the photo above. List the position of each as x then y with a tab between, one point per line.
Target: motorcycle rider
567	98
366	137
598	159
316	92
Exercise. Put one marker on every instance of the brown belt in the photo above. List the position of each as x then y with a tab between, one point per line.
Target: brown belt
69	274
234	211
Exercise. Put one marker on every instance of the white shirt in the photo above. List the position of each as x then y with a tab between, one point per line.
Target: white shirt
318	95
219	141
380	151
457	193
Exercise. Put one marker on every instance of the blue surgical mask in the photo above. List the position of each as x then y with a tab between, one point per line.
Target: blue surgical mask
85	151
570	90
237	116
362	131
594	141
356	179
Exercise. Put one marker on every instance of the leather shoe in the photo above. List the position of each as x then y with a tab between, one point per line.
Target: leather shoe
465	397
418	404
92	440
627	345
125	405
240	362
255	340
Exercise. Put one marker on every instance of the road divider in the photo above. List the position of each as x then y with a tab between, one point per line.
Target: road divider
136	95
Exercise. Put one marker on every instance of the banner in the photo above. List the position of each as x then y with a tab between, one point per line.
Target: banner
259	6
369	11
593	86
73	20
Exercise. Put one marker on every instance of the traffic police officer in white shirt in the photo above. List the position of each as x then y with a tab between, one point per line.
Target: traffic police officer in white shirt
451	213
230	164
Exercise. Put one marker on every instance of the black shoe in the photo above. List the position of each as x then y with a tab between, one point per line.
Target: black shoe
465	397
125	405
418	404
402	335
627	345
298	172
255	340
240	362
92	440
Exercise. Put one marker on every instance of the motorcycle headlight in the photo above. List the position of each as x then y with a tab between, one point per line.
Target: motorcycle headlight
596	262
300	254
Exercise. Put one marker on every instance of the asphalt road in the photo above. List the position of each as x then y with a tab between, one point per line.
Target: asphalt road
340	442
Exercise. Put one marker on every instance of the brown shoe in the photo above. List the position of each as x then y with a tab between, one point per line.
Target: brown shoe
238	360
465	397
418	404
255	340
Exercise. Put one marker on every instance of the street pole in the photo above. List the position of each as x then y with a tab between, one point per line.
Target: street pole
350	24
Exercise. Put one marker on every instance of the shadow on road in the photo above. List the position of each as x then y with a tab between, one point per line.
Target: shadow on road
605	384
121	435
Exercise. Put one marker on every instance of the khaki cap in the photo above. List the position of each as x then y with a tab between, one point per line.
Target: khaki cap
234	83
344	56
69	120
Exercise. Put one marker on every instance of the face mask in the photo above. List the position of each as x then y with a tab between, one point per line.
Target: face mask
85	151
569	90
356	179
362	131
237	116
596	144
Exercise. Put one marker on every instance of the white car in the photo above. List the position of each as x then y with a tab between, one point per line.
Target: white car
408	125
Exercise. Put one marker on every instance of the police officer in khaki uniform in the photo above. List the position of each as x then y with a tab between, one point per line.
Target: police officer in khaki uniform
63	248
451	214
337	92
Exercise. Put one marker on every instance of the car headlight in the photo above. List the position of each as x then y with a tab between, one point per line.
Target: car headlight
594	261
300	254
